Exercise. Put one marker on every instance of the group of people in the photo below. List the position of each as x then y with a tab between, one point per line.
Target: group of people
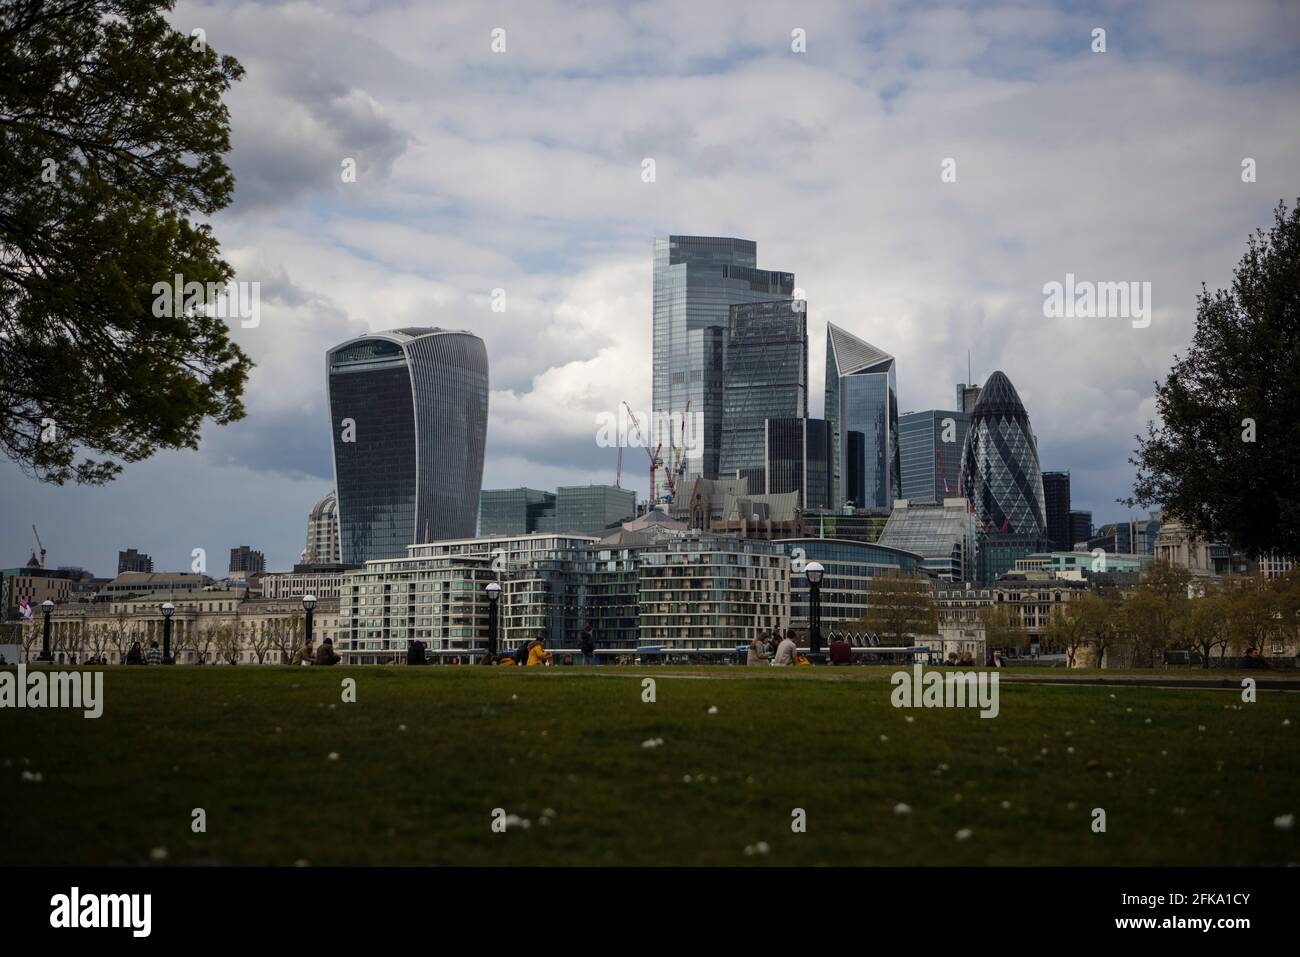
773	648
967	659
324	655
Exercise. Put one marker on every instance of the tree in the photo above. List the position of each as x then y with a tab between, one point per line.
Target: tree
1002	627
205	635
113	134
97	637
1065	629
227	639
1208	624
1225	456
1099	617
288	633
121	634
260	640
1154	615
900	606
1254	614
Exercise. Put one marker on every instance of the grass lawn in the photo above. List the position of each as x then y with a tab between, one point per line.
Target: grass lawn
425	755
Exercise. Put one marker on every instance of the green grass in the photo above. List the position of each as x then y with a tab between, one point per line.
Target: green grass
251	745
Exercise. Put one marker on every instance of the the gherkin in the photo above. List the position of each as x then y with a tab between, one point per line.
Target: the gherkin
1000	475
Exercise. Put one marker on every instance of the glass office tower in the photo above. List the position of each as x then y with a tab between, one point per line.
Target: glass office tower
797	458
766	377
408	417
1000	475
515	511
1056	507
862	409
930	444
697	279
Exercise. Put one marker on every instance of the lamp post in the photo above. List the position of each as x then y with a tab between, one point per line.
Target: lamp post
814	572
494	597
308	603
47	606
167	609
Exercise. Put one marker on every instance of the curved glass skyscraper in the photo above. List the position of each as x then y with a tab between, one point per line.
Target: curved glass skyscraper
408	415
1000	474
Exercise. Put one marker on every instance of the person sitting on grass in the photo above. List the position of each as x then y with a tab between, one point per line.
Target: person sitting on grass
841	651
538	655
325	653
521	653
305	655
787	650
758	650
154	655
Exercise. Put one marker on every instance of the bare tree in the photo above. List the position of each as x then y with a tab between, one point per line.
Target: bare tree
97	639
31	638
203	634
288	636
227	641
121	634
259	639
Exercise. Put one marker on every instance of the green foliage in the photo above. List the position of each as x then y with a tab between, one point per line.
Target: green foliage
113	131
1243	363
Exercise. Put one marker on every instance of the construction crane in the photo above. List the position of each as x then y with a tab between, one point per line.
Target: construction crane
618	469
654	456
679	462
39	545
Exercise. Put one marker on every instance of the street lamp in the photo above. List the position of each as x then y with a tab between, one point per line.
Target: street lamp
814	572
308	602
47	606
167	609
493	590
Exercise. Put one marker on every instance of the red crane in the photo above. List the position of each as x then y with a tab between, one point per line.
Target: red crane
645	439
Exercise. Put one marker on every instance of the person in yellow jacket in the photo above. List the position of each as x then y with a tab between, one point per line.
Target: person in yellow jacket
537	654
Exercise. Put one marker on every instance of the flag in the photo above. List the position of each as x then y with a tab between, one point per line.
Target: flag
25	607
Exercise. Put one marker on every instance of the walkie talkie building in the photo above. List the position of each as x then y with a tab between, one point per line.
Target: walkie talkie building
408	416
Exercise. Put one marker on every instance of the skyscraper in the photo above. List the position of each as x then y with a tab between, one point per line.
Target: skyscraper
765	377
930	444
967	396
697	279
862	409
322	546
587	509
1056	502
1080	528
1000	475
246	560
797	458
408	416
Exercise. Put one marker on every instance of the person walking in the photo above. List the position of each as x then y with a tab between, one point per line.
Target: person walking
758	652
587	644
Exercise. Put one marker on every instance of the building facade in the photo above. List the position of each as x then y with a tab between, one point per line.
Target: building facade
408	417
591	509
697	279
946	537
133	561
862	409
797	458
322	546
765	377
712	592
930	444
247	561
1056	509
515	511
848	570
1080	528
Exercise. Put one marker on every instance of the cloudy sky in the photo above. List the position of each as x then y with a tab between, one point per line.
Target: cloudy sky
522	170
